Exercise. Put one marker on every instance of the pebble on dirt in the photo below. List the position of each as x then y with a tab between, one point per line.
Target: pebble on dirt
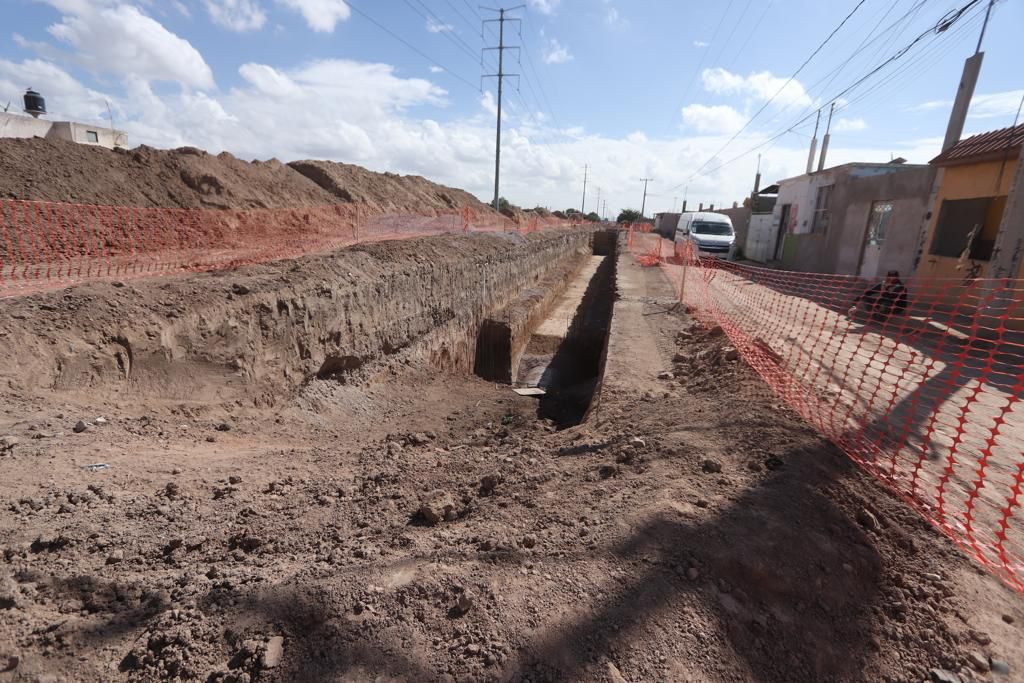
464	603
711	466
943	676
978	661
273	654
79	427
867	520
999	666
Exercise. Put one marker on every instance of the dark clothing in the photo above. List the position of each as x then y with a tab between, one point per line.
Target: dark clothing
884	299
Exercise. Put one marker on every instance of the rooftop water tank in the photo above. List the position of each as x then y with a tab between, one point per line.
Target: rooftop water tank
34	103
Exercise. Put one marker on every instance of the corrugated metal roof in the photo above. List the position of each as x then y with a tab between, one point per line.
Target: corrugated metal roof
992	144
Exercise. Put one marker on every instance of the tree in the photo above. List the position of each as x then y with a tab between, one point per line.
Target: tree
593	217
629	216
503	204
559	214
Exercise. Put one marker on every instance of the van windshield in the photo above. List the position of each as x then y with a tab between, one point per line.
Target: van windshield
711	228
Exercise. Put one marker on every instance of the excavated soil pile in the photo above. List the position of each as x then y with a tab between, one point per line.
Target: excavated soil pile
56	170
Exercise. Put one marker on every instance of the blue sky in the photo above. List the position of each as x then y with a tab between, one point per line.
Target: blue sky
686	92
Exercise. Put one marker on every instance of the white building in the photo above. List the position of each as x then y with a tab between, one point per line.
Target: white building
24	126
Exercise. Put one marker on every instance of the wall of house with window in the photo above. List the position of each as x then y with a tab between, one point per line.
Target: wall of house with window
18	126
965	218
828	216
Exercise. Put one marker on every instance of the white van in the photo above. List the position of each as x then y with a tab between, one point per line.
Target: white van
711	233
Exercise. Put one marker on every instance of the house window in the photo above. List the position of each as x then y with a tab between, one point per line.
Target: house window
968	225
92	136
819	223
878	223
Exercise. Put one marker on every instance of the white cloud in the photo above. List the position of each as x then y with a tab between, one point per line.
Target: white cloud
181	8
236	15
700	43
760	86
556	53
120	39
544	6
988	106
611	16
321	15
712	119
436	70
269	80
849	125
435	26
488	102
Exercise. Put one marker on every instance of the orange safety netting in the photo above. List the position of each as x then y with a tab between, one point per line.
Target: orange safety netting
919	381
47	245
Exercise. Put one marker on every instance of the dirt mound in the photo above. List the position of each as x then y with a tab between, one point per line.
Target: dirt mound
61	171
385	191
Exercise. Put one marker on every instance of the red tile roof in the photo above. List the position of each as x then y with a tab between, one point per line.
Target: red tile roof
986	146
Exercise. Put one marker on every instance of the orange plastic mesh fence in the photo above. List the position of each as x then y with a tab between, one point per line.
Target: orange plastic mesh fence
918	380
45	245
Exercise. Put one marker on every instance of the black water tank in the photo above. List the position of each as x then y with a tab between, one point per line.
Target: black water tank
34	103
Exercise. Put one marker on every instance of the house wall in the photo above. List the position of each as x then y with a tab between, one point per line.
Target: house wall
966	181
855	188
18	126
760	244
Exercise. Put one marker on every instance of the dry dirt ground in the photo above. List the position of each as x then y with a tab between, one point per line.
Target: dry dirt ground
424	526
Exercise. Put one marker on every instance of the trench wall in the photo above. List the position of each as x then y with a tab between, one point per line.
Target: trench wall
282	324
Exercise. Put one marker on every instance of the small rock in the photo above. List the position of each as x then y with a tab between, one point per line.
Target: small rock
607	471
274	652
211	438
730	354
115	557
999	666
488	483
637	442
234	479
529	541
711	466
693	573
666	375
419	439
980	638
100	420
7	443
1008	618
472	649
224	427
943	676
79	427
978	661
240	289
435	506
866	519
464	602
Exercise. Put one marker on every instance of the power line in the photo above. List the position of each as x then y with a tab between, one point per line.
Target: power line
786	84
940	27
409	45
753	30
704	55
443	29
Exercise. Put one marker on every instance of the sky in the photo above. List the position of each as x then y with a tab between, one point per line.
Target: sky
692	94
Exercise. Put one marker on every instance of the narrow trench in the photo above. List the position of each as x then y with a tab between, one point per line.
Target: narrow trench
570	369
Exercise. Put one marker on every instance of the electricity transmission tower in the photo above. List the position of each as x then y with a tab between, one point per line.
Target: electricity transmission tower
501	76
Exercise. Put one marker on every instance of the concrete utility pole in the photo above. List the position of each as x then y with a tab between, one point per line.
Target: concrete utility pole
828	136
583	205
501	76
643	204
965	90
599	199
814	144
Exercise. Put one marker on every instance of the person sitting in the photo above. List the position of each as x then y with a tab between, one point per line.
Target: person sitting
885	299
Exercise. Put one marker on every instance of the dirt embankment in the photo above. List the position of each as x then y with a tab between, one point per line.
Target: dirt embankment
61	171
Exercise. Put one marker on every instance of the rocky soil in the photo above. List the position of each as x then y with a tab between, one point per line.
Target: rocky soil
417	525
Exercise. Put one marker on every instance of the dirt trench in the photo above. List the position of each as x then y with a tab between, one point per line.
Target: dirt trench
290	473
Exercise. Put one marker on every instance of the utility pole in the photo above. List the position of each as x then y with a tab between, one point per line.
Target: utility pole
965	89
501	75
604	210
583	206
643	204
599	199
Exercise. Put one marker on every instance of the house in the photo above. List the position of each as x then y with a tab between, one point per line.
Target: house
33	126
859	219
974	181
752	222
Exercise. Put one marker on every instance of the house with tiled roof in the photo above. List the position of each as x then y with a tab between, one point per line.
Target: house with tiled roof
973	186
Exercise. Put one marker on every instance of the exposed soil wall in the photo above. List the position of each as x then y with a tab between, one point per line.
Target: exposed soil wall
270	327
